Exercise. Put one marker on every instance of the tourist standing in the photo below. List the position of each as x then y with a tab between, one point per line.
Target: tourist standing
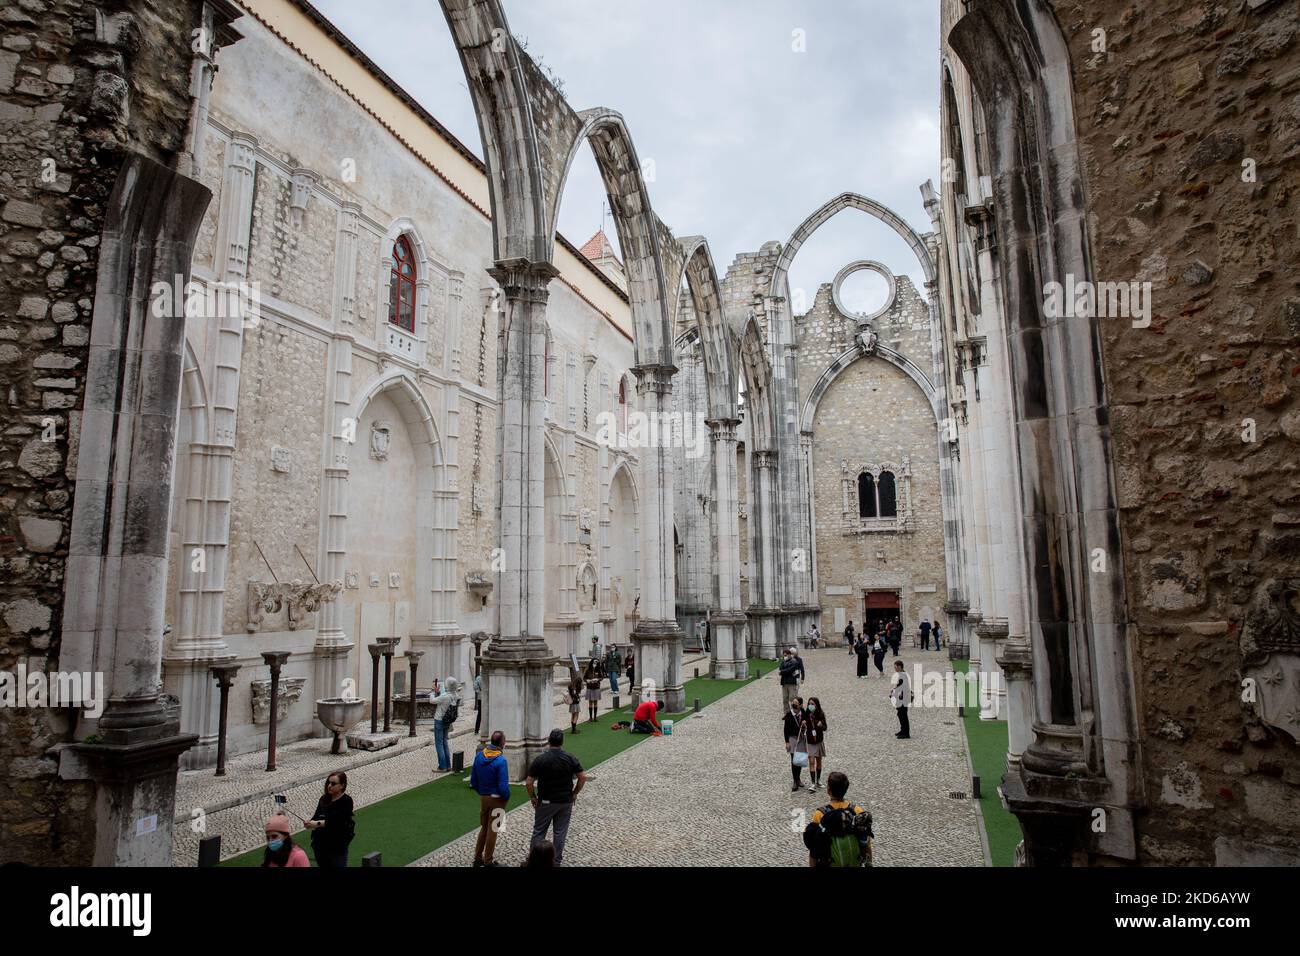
839	833
280	850
708	637
938	636
791	673
573	697
814	636
878	654
896	636
442	699
901	695
552	790
613	664
490	778
863	649
631	671
814	723
592	680
849	638
332	826
925	634
478	702
792	731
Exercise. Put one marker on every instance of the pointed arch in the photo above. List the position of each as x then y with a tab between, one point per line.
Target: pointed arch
849	357
717	345
758	392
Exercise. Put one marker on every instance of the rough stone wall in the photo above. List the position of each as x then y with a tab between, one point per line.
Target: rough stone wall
874	412
281	404
295	264
1186	94
71	103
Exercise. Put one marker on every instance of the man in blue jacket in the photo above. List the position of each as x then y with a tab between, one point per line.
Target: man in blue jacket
490	778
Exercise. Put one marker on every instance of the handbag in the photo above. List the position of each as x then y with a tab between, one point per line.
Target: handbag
799	757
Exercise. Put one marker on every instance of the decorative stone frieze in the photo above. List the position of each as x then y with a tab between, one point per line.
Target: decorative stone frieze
294	598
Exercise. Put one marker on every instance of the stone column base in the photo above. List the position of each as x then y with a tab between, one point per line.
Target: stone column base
658	648
727	655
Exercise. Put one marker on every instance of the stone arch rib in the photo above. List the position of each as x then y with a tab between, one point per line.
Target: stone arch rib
853	355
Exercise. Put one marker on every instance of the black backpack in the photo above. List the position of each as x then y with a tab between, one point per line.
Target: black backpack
453	711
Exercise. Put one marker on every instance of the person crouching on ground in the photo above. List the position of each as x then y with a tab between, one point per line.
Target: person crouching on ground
646	720
490	779
280	850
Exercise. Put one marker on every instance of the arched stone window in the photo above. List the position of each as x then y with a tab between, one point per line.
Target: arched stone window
401	286
867	495
883	496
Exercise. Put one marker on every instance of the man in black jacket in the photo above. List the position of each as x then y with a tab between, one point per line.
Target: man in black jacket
792	673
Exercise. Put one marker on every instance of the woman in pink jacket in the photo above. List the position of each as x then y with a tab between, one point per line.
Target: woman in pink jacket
280	850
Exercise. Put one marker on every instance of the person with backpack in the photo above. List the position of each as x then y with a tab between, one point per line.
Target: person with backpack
901	695
849	638
332	826
796	741
446	702
839	833
490	778
791	673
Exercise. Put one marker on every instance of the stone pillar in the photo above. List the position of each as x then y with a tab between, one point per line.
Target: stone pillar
517	665
764	553
1017	663
726	620
333	647
657	640
116	573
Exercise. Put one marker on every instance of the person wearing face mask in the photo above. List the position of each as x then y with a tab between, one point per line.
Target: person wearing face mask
795	739
814	730
280	850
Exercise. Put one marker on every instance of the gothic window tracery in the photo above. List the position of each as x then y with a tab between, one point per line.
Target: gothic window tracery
401	286
877	497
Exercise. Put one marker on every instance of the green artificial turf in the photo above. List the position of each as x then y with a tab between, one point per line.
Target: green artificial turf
987	740
414	823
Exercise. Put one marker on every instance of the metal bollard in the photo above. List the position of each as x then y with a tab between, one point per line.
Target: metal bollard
210	851
615	705
458	761
975	787
697	705
697	672
373	859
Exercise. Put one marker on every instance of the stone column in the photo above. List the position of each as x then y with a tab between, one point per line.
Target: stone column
727	620
1017	664
657	640
116	578
517	665
764	553
333	647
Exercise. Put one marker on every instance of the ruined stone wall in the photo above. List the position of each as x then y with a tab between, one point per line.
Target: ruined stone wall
74	96
1188	125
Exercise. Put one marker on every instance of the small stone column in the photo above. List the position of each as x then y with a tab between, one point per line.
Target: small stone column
389	645
1017	663
413	658
225	675
376	651
274	660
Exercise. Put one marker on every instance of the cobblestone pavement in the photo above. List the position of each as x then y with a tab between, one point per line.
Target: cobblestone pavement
717	791
204	801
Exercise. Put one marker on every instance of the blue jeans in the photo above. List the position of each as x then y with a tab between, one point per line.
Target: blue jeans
613	681
440	744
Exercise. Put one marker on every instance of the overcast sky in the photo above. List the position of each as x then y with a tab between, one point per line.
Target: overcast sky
747	135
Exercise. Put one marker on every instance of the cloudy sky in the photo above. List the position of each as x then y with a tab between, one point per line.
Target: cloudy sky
753	112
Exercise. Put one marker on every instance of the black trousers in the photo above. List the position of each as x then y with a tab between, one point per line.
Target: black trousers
904	725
